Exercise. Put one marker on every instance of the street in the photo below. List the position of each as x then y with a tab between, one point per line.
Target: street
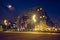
29	36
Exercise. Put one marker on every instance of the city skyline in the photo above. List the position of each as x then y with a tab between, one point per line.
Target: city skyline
11	12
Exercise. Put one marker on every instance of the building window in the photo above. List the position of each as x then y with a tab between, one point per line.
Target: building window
40	8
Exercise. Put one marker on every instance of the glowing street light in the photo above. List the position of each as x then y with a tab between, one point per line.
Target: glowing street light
5	22
33	18
9	6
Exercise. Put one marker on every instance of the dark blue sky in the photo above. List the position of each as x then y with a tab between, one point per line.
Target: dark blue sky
51	7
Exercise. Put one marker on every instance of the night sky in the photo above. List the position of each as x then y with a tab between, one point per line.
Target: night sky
51	7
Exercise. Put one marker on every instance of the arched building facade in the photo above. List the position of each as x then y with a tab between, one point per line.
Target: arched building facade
34	18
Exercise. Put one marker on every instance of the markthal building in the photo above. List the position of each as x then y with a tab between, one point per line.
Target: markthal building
34	19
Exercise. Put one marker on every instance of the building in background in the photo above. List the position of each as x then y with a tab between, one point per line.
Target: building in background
34	19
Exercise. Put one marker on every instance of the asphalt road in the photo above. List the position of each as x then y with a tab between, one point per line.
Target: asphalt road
29	36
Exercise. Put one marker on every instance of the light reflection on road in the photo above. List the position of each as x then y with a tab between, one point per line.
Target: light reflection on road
33	32
8	35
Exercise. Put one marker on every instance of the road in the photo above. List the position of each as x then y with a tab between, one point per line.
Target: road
29	36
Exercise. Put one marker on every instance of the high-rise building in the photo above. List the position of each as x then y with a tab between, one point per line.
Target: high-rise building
35	18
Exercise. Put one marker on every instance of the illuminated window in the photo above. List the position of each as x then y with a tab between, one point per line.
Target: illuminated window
40	8
40	16
43	16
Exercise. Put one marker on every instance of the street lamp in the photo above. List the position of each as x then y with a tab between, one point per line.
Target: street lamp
34	18
9	6
5	22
